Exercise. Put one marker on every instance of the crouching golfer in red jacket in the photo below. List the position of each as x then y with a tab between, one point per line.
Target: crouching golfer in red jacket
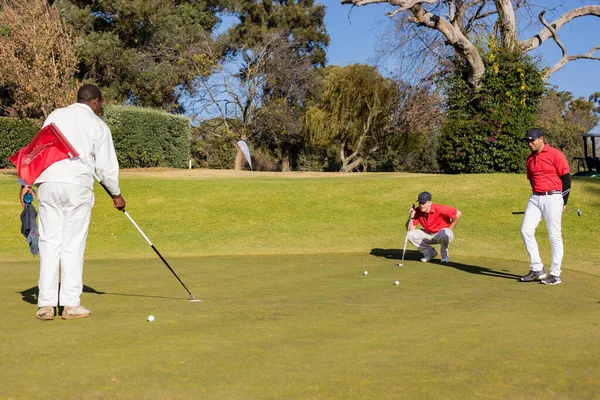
437	222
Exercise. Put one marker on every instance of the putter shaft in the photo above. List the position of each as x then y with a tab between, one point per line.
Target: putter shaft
147	240
578	211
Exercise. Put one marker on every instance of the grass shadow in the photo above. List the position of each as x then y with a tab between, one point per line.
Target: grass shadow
31	295
396	254
414	255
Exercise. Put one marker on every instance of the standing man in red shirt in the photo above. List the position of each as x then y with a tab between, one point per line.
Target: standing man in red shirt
437	222
550	178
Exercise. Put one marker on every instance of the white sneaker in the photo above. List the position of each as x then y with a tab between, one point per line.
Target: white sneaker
75	312
445	259
429	257
45	313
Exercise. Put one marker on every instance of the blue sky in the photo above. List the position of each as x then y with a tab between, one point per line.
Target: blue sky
353	40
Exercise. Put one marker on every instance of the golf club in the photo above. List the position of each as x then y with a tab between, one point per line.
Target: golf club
578	211
405	238
192	298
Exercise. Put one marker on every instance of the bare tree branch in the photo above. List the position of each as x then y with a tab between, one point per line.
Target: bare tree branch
565	59
463	18
463	46
545	34
554	34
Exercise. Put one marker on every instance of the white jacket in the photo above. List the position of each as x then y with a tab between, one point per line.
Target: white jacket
91	137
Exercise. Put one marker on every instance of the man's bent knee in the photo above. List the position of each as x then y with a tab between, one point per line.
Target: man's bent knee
445	235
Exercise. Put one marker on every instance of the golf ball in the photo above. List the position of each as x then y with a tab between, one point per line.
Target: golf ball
366	273
150	318
397	283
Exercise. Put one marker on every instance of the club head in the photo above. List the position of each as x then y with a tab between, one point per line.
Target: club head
579	212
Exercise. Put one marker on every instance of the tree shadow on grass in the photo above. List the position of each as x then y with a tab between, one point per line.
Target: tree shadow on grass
415	255
31	295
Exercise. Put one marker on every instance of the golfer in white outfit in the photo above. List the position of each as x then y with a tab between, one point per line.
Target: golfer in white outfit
65	200
550	178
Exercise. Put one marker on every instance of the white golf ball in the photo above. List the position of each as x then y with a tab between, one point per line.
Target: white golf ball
150	318
397	283
366	273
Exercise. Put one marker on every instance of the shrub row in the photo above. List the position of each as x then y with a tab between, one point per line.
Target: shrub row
14	134
143	137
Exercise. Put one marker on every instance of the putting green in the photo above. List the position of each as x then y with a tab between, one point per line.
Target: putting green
305	326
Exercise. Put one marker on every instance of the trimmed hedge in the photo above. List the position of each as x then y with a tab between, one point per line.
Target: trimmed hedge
14	134
145	137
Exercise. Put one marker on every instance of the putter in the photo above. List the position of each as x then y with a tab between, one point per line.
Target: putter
192	298
405	241
578	211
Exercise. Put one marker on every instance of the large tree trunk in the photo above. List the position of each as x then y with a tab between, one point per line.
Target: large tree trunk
239	159
354	160
239	156
285	159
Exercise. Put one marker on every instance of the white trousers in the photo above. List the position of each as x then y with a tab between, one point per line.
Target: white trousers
64	218
423	241
550	208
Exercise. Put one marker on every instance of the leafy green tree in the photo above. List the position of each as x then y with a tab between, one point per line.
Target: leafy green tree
286	77
302	21
211	145
142	52
235	90
352	113
289	82
412	146
484	126
278	127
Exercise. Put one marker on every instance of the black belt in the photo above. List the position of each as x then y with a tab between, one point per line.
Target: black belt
547	193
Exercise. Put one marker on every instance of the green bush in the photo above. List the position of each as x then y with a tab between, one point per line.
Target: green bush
14	134
484	127
309	159
145	137
212	146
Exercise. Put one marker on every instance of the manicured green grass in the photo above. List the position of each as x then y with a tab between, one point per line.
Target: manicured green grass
271	214
306	326
286	311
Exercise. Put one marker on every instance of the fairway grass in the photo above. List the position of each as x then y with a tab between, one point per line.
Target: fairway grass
286	312
306	327
194	213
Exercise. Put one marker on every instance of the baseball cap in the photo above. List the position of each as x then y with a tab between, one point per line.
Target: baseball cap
534	133
424	197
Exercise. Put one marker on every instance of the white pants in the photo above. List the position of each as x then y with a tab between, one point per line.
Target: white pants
550	208
64	218
423	241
